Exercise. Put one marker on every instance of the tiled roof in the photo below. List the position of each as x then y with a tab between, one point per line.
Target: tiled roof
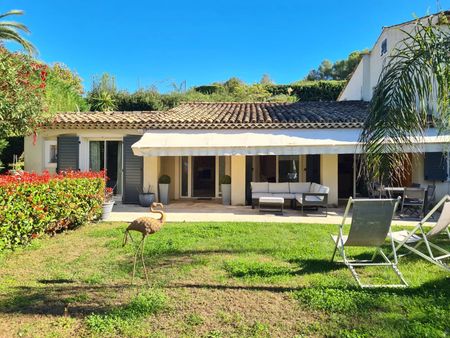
225	115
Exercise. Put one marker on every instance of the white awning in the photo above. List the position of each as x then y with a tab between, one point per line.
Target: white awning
260	142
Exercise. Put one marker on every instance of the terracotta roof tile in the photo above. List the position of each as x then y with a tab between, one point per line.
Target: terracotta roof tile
224	115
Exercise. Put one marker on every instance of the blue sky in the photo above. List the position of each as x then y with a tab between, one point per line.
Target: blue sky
144	43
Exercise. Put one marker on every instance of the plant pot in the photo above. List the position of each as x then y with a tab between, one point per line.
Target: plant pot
107	208
164	193
226	194
146	199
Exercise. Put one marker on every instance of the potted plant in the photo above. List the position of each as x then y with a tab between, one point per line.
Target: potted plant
108	204
146	198
225	182
164	182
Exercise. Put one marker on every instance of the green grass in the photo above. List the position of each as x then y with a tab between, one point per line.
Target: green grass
213	280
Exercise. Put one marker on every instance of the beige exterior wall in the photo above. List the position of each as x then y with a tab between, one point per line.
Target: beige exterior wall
442	188
170	166
238	180
34	154
152	168
329	176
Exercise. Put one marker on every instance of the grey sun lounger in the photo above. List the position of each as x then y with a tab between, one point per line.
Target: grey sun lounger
417	237
370	226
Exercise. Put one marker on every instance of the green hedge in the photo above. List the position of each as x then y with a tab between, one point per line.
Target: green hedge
31	204
310	90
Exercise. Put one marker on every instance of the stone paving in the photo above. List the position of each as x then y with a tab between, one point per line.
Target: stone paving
212	211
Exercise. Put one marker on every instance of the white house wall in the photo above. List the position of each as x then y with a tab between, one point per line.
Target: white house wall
366	76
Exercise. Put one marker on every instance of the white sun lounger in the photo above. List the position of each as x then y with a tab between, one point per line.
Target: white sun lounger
413	239
371	223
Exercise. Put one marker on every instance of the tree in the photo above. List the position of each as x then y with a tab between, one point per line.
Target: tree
22	89
102	97
63	92
413	89
10	31
340	70
266	79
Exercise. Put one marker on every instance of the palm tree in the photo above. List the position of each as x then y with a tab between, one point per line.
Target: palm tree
412	92
10	31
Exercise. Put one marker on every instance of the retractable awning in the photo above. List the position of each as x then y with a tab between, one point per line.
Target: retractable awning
262	142
245	142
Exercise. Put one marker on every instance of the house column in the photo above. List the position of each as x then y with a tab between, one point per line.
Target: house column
152	169
329	176
237	180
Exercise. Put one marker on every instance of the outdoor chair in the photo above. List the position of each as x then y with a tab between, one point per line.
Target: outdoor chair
430	197
413	201
370	225
417	237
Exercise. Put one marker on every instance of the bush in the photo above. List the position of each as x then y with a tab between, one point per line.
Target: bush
225	179
309	90
32	204
164	179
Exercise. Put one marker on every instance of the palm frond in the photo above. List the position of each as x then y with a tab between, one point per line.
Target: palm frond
412	90
12	35
9	31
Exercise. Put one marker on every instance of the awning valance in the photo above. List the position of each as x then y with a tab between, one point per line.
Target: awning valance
260	142
244	142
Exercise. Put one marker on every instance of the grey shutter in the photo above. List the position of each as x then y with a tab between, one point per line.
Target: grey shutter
132	171
435	168
68	153
313	168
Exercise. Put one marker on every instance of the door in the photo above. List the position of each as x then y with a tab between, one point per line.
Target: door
345	175
203	176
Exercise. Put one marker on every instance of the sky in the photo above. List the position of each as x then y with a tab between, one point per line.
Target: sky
157	43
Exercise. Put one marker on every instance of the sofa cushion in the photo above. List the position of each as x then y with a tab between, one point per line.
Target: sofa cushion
279	187
299	187
260	187
285	195
324	190
314	187
314	198
256	195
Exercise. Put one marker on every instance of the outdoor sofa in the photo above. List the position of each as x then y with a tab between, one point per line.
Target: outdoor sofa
304	194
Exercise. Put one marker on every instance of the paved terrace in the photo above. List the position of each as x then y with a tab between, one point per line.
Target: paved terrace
212	211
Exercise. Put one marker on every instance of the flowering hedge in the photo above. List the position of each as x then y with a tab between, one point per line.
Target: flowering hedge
32	204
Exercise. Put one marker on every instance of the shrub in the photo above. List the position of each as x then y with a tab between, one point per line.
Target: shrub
164	179
225	179
309	90
32	204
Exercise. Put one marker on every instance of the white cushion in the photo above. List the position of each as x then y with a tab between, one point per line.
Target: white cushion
314	187
256	195
279	187
299	198
299	187
279	200
284	195
324	190
260	186
313	198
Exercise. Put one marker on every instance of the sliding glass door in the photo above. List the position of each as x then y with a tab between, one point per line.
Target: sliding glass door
107	155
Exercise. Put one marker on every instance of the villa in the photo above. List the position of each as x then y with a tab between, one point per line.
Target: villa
197	143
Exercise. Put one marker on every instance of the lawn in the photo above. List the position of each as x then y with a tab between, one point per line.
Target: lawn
212	280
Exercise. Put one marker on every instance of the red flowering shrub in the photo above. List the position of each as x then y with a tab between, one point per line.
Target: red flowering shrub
33	204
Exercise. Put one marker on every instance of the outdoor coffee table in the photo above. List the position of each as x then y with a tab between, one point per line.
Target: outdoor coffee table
271	204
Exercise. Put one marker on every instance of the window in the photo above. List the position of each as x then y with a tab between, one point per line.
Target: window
288	168
383	47
51	154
